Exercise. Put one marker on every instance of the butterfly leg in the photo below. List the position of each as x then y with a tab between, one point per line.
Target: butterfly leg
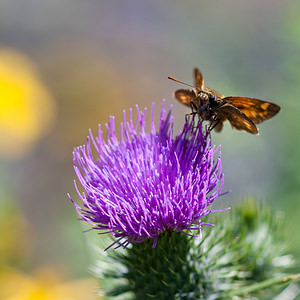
193	113
190	114
214	122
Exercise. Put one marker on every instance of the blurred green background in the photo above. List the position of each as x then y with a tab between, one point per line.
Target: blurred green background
66	66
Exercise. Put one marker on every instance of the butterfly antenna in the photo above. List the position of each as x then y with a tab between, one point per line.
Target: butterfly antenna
176	80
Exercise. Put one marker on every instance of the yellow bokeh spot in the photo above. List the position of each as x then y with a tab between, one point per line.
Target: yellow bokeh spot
46	285
27	110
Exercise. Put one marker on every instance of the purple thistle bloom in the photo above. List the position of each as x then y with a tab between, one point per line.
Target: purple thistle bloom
146	183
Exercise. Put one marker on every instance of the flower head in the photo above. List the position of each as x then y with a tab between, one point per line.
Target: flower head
143	184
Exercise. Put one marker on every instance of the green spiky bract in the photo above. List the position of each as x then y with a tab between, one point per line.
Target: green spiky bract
244	255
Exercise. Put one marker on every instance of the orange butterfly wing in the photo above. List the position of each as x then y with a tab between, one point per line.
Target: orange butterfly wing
237	119
256	110
198	79
185	96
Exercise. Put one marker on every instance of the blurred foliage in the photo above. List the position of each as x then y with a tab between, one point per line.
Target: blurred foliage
40	284
287	189
16	235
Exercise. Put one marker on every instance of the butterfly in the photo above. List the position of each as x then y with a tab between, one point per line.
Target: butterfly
243	113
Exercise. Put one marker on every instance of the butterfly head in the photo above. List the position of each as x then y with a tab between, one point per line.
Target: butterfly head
204	101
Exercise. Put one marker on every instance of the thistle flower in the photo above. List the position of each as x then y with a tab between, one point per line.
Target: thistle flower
144	184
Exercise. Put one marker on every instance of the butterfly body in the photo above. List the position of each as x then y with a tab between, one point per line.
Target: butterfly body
243	113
